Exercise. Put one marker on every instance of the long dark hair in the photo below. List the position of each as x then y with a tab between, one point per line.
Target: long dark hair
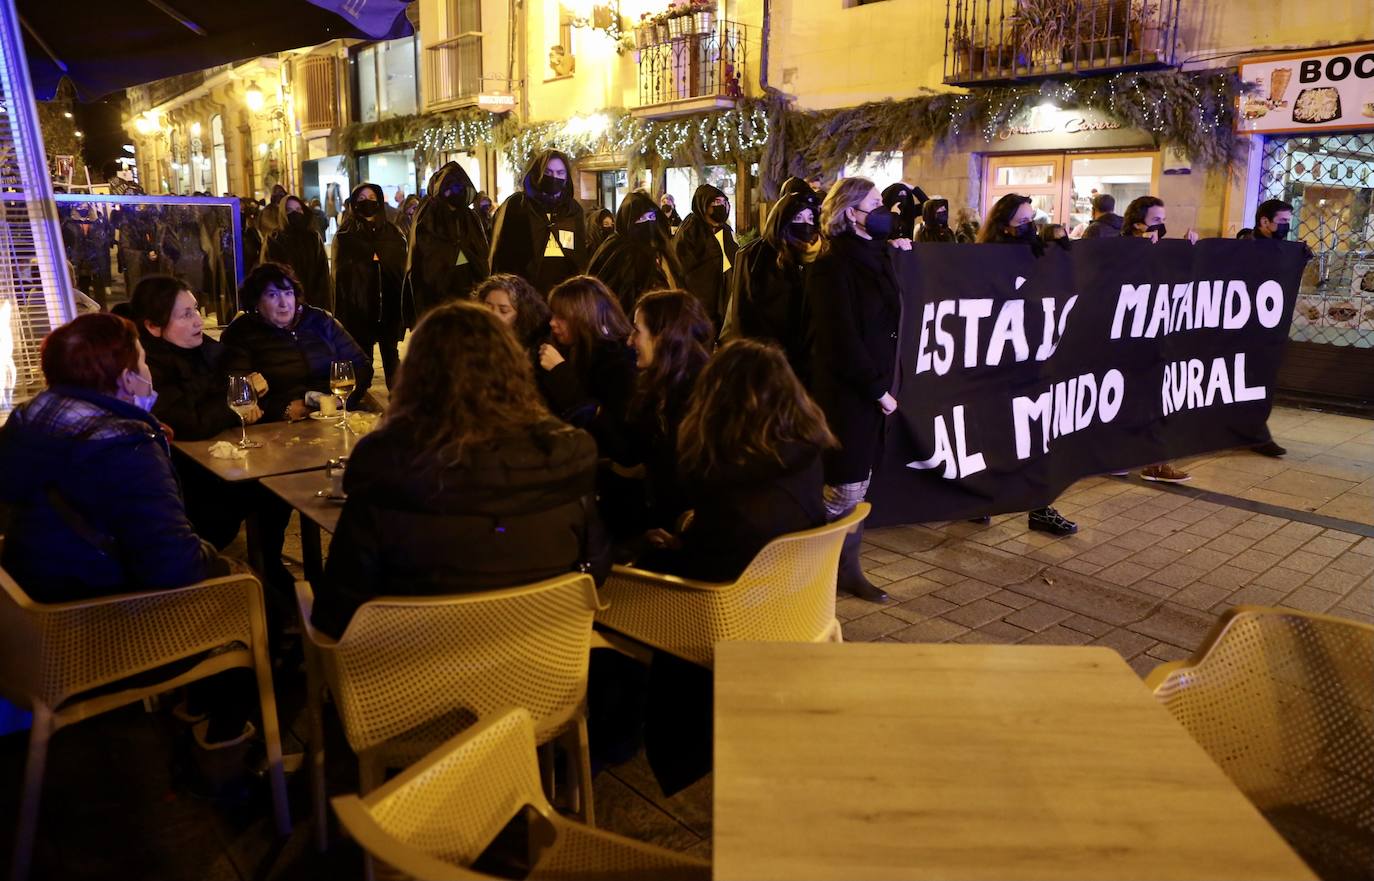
531	309
682	334
1135	213
999	218
747	405
592	313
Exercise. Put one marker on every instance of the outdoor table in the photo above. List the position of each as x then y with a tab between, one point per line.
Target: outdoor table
287	447
867	760
300	492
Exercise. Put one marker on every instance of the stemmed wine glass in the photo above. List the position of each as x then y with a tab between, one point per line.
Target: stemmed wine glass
342	383
243	398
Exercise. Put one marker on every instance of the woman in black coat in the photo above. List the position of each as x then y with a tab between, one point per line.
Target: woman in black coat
856	309
448	244
705	249
540	232
369	268
637	257
467	458
600	227
291	344
295	243
935	223
768	296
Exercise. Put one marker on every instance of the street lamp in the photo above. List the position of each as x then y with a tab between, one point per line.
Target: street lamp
254	98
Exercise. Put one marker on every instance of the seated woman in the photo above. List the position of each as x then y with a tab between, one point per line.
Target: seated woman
89	475
466	446
291	344
188	372
520	307
749	455
588	372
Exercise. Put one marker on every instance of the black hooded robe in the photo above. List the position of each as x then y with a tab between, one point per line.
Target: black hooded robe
699	253
930	231
448	247
529	227
631	269
369	268
301	248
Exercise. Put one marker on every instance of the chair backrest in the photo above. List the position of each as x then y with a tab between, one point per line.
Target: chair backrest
451	804
1283	701
52	651
420	668
788	592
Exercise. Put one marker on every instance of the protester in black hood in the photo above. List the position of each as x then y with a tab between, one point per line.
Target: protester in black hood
600	226
448	247
486	210
935	222
667	213
270	220
705	249
297	244
637	257
796	185
540	233
369	268
898	199
767	293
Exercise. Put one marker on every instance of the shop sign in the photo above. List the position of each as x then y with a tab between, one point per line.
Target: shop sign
496	102
1049	128
1303	91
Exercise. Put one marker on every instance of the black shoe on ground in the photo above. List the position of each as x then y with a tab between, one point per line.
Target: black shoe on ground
851	578
981	521
1051	521
1270	449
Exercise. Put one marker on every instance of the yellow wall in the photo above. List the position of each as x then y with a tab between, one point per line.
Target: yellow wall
602	78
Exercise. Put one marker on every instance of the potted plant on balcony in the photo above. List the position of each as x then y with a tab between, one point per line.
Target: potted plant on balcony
1041	27
646	32
660	22
704	16
679	18
1146	27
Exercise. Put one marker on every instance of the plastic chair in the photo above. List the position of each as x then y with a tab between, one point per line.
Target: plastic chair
410	672
787	594
1283	701
67	662
436	818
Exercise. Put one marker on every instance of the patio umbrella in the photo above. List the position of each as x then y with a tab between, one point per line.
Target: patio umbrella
107	45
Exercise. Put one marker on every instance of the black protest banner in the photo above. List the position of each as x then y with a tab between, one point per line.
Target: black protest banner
1019	375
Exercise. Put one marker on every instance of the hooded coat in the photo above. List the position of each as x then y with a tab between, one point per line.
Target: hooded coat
796	185
596	231
930	231
369	268
706	254
97	505
530	226
768	300
629	268
900	195
520	509
448	246
300	247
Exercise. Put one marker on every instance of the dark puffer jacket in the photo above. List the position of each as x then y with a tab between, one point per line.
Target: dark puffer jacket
97	506
522	228
699	254
192	387
595	394
293	360
448	245
369	266
1106	226
301	248
512	511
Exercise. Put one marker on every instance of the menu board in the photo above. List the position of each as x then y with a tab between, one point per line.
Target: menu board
1306	91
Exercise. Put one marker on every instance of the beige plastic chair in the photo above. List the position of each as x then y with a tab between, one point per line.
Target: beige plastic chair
438	816
787	594
1283	701
410	672
69	661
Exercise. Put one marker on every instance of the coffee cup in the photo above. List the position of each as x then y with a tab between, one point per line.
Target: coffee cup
329	405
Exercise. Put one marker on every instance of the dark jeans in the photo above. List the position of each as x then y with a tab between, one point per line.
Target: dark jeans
218	508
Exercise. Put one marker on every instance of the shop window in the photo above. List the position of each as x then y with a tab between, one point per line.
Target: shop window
385	81
1329	181
218	159
881	168
682	183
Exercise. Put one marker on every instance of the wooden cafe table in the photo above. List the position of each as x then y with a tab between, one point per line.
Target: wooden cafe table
865	760
301	491
287	447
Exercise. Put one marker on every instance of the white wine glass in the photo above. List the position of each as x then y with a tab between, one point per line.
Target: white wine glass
243	398
342	381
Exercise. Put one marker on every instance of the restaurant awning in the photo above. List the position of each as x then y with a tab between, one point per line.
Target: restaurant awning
107	45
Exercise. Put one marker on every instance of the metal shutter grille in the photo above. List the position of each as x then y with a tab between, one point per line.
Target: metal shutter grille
35	290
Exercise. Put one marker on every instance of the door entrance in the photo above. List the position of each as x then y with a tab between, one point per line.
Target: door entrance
1061	185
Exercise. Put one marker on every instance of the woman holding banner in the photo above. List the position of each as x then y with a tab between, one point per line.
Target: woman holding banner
1011	220
855	308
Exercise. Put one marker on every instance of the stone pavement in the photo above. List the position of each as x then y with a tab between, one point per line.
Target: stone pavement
1147	575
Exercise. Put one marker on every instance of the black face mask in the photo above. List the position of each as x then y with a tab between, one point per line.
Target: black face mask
484	208
1025	231
367	208
298	220
802	231
881	224
718	213
454	199
642	233
1159	229
1281	231
551	187
939	220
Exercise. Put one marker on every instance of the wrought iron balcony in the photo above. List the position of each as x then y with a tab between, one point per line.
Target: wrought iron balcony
453	71
992	41
695	63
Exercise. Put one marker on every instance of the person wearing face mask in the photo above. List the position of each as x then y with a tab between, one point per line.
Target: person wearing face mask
705	249
900	200
768	293
369	267
935	223
448	246
291	344
485	209
1011	221
667	213
1144	218
637	257
540	233
297	243
405	218
600	226
1273	221
855	305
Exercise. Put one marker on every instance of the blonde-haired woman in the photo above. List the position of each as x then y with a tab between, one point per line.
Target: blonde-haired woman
855	309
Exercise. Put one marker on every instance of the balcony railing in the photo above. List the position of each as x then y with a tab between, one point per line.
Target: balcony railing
989	41
699	57
319	95
453	71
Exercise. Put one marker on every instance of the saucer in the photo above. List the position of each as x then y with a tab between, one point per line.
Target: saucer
322	416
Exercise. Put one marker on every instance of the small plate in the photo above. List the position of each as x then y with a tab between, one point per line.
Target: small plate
322	416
